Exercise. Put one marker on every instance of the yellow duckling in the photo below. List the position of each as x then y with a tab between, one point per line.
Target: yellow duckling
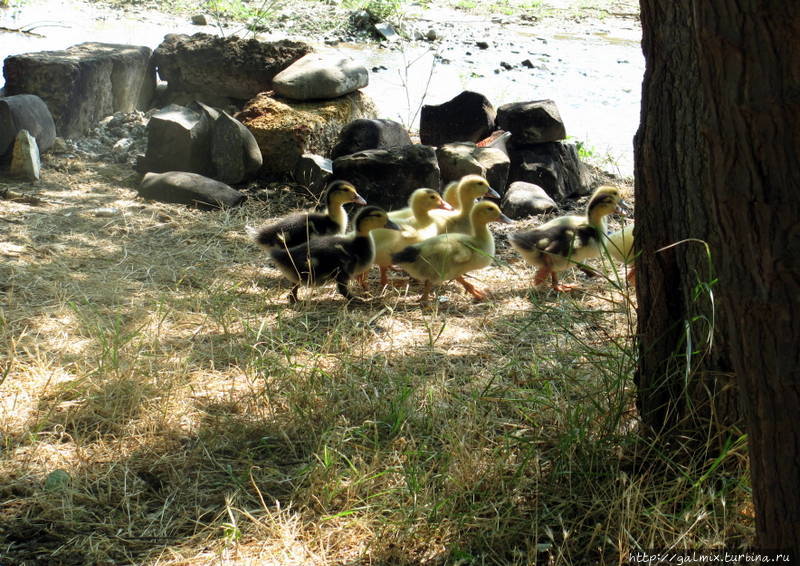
619	245
568	240
468	189
297	228
412	230
451	256
338	258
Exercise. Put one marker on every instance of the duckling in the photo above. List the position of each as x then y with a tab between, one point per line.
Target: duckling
451	255
619	245
412	230
468	189
567	240
297	228
337	258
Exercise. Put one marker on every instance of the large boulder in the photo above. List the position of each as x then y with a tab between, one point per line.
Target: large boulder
189	188
286	129
387	177
459	159
526	199
200	139
537	121
554	166
320	75
218	70
365	133
84	83
25	112
178	139
469	117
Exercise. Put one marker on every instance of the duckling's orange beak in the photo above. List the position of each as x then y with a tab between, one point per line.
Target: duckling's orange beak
504	219
490	192
443	204
358	199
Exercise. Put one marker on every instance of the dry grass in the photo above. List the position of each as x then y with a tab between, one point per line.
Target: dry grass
151	356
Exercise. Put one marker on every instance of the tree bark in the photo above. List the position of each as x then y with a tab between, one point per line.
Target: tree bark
728	148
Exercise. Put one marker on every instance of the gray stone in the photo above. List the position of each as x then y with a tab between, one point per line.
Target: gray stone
189	188
319	76
235	156
554	166
366	133
387	177
85	82
25	161
200	20
459	159
526	199
25	112
469	117
537	121
313	171
220	70
286	129
178	139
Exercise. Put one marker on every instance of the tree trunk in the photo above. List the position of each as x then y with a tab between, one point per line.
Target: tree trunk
717	159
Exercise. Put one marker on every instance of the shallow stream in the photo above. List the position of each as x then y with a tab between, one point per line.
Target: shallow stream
592	68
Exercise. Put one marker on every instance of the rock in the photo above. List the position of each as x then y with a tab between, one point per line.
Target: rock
84	83
532	122
313	171
526	199
286	129
25	112
481	45
468	117
219	70
25	161
366	133
554	166
387	177
189	188
178	139
459	159
200	20
431	35
235	155
320	76
386	31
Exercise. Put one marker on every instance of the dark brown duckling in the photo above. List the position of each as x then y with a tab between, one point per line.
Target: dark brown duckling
298	228
333	258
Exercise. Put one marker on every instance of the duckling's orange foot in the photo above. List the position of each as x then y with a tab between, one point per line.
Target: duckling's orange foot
470	288
564	287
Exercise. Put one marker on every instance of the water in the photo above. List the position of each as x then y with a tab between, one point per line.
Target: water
593	73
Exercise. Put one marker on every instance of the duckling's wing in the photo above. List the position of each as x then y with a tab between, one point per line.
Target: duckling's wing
294	229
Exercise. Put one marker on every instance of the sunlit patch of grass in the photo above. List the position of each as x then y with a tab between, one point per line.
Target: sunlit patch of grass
200	418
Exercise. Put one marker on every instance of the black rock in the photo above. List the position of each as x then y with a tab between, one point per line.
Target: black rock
367	133
387	177
469	117
537	121
25	112
554	166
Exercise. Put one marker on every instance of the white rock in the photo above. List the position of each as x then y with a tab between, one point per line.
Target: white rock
321	76
25	159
